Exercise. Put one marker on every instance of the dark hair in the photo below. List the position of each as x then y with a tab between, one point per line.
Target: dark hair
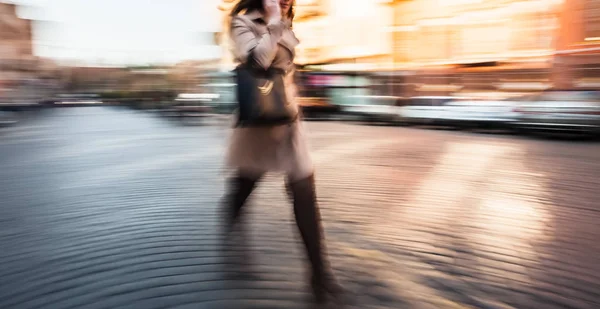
251	5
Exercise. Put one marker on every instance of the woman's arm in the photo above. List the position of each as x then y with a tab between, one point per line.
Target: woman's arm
263	48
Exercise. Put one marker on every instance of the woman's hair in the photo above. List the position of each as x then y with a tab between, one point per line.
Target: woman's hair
250	5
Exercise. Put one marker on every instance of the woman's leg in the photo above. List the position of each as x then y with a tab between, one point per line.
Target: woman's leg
308	219
239	189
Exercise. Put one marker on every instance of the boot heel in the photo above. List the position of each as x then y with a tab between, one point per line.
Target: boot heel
326	287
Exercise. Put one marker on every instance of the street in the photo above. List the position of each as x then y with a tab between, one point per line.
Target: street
105	207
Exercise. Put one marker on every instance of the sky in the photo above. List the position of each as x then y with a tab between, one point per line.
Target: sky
123	32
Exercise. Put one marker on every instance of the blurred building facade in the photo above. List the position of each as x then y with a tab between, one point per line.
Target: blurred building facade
346	35
117	79
24	77
485	45
93	79
185	76
17	62
189	76
577	60
470	31
331	32
15	34
450	45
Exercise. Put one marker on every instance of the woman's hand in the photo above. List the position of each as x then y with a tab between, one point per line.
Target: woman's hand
272	10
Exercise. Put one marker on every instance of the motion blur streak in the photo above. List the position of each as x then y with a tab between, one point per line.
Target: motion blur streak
455	144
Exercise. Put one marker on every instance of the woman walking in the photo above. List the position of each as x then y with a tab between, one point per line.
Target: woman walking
261	33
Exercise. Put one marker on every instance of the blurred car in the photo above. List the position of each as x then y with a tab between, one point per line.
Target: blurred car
193	104
317	108
495	114
373	108
7	118
565	111
425	110
47	102
222	97
72	100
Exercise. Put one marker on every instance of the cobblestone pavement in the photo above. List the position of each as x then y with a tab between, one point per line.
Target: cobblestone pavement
109	208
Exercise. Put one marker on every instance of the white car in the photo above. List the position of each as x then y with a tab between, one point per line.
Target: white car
425	110
565	111
480	113
373	107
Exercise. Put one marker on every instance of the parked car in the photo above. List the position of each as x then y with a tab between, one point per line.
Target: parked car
495	114
193	104
7	118
77	99
373	108
222	97
314	108
425	110
560	111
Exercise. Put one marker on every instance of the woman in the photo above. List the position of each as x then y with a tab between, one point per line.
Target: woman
261	29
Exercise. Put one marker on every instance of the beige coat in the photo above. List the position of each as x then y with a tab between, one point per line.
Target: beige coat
285	148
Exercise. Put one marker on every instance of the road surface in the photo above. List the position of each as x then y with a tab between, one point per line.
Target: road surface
110	208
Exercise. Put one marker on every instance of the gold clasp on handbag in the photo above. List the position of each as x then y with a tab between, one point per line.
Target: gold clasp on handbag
266	89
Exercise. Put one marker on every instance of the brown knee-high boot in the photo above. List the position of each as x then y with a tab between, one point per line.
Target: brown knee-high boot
308	219
238	192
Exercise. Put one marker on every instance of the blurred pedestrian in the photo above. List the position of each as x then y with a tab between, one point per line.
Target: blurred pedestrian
261	31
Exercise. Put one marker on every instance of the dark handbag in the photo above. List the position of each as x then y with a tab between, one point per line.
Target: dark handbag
262	99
